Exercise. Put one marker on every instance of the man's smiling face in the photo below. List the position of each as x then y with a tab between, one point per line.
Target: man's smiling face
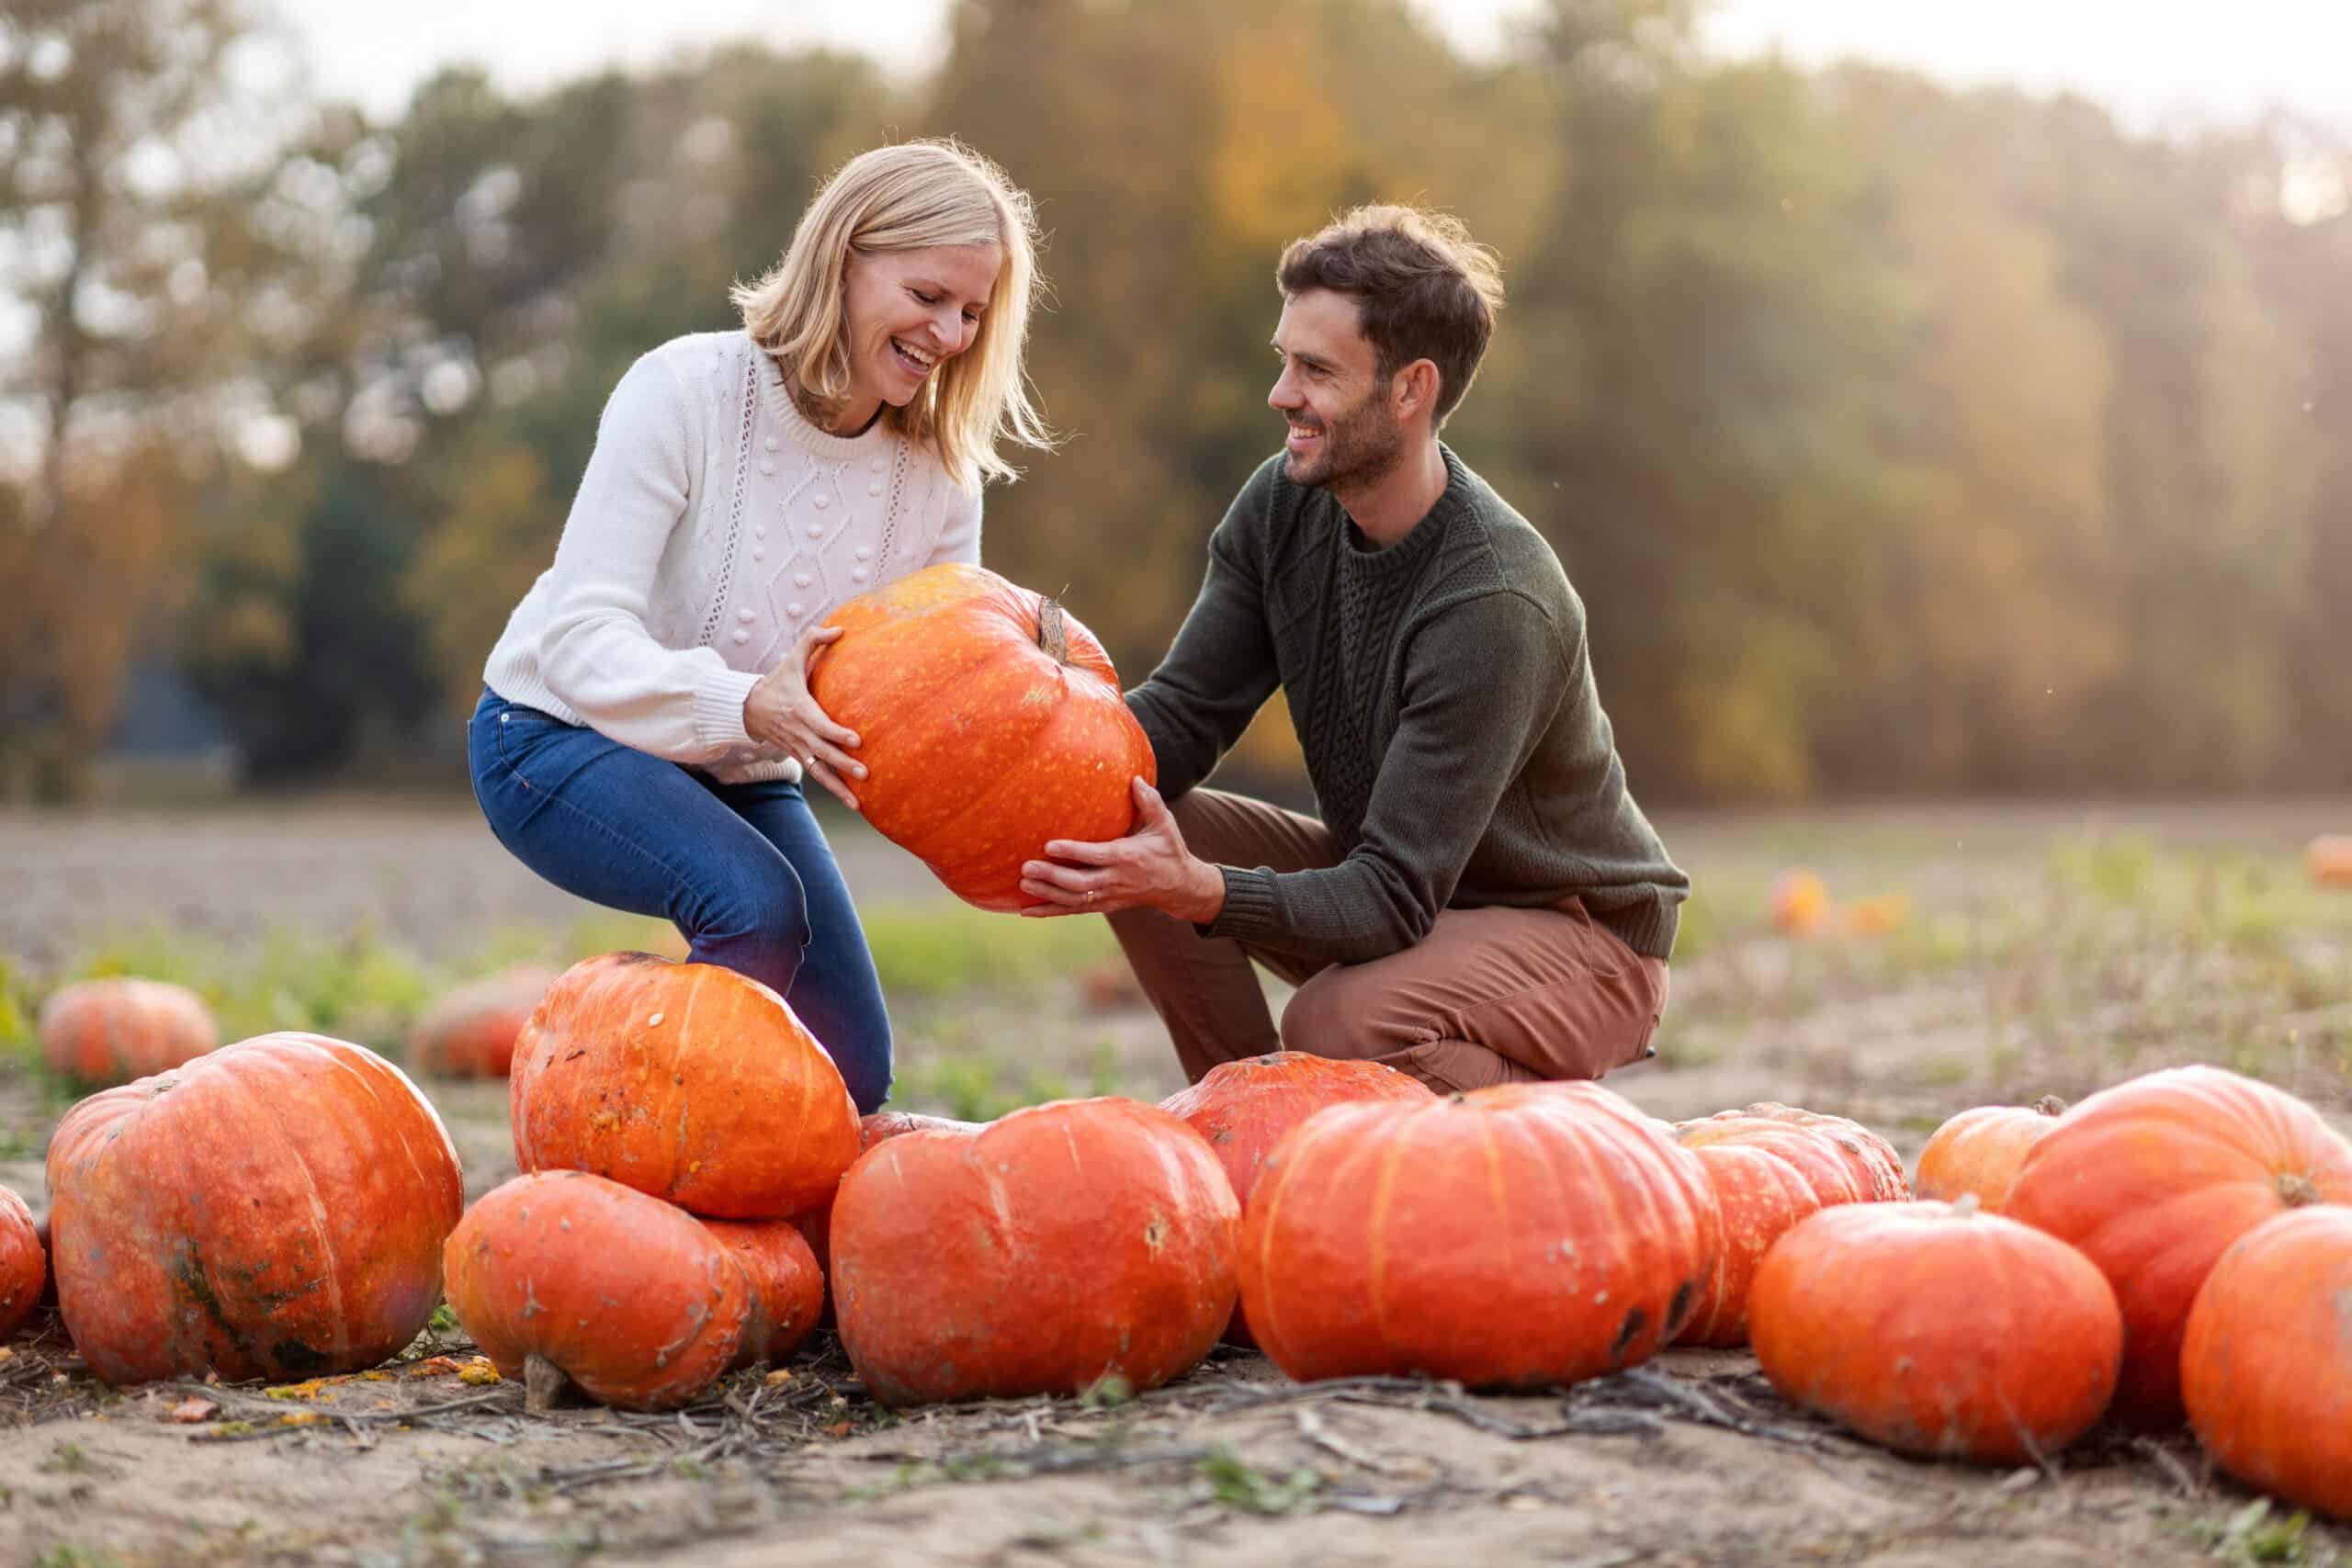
1330	392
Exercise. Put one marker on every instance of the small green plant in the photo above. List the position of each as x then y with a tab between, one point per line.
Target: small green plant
1236	1483
66	1554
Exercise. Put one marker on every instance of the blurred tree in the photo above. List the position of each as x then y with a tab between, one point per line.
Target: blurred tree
132	165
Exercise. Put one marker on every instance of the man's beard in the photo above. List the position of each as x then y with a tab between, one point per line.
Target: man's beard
1358	448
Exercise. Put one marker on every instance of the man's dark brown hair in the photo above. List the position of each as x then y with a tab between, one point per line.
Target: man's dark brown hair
1423	288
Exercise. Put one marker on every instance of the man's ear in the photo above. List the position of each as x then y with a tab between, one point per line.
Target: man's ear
1414	389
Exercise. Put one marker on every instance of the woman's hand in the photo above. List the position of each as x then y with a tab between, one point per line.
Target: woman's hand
779	712
1149	869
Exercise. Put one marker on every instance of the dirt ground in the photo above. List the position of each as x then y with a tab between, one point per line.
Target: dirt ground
1690	1460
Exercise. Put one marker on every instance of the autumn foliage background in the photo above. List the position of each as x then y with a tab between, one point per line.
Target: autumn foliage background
1900	439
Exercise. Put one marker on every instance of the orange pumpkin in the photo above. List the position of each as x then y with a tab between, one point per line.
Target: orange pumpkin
2266	1364
1868	1162
470	1033
1759	1197
1059	1245
275	1208
565	1275
111	1030
2154	1180
1979	1151
1938	1330
990	721
1381	1239
1799	902
787	1289
24	1263
816	1225
1244	1108
682	1080
2330	860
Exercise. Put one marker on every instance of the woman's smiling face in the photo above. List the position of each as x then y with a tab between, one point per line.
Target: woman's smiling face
910	311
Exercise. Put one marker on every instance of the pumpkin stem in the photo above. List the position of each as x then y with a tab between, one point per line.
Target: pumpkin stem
1051	636
2296	1189
2050	1105
543	1383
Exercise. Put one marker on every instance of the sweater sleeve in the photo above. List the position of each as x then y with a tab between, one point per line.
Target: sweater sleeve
959	536
1221	669
596	652
1482	681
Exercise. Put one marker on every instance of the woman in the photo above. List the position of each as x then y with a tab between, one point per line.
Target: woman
647	734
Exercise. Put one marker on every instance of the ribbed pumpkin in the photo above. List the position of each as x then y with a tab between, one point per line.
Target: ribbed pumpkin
682	1080
990	721
2265	1365
1381	1239
24	1263
788	1288
1938	1330
275	1208
111	1030
2155	1179
1876	1168
1759	1197
1244	1108
1978	1151
1046	1250
470	1033
564	1275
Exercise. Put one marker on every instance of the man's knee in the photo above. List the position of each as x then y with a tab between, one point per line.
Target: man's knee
1330	1017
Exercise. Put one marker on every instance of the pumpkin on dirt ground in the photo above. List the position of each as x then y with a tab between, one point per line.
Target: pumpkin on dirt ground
24	1263
990	721
685	1081
2329	859
565	1275
1938	1330
2153	1178
1063	1244
1759	1197
1978	1151
112	1031
470	1033
2266	1364
275	1208
1243	1108
1380	1240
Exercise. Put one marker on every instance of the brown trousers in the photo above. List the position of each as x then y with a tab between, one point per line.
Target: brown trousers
1489	995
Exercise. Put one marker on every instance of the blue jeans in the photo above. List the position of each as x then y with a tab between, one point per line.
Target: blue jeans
742	870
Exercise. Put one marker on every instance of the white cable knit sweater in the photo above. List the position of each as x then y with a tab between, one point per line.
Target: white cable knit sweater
713	524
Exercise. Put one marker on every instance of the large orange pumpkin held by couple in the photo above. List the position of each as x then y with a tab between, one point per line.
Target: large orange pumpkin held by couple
991	720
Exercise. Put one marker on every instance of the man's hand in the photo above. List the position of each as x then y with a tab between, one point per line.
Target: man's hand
1149	869
779	712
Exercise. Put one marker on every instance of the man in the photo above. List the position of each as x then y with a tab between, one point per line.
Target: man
1482	900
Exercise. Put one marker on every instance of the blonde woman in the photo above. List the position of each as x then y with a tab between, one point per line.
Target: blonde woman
646	734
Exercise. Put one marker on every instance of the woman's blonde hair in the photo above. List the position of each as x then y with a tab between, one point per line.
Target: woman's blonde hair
908	196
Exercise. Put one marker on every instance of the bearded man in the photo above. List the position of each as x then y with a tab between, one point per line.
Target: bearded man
1481	900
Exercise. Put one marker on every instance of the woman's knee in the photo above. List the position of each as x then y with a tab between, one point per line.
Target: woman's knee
751	902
